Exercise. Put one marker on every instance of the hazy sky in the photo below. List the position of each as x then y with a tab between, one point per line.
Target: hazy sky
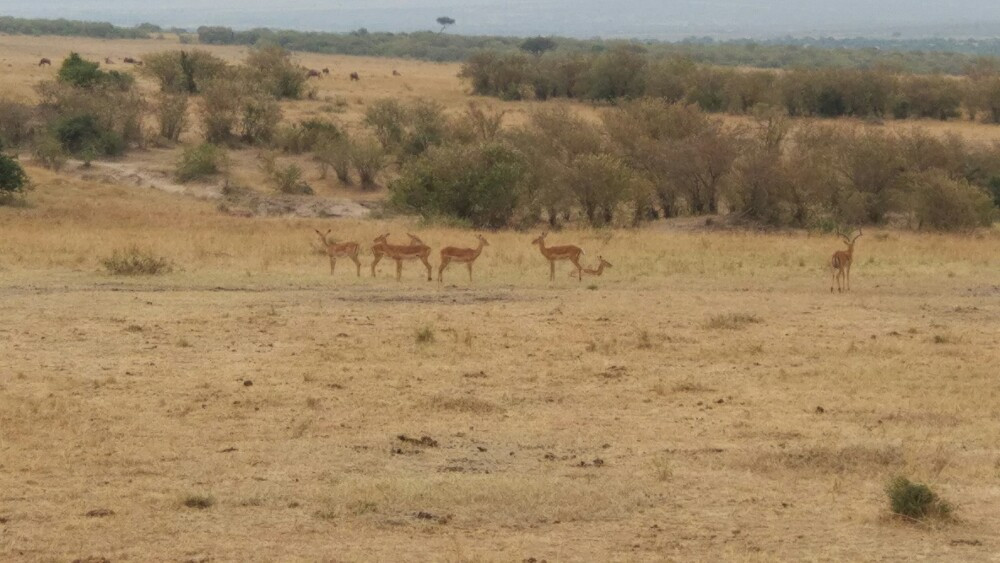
584	18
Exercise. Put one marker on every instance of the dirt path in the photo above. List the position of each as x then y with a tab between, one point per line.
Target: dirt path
244	203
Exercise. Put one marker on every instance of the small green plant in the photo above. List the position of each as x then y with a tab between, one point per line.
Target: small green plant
200	161
425	335
201	502
915	500
134	261
732	321
286	179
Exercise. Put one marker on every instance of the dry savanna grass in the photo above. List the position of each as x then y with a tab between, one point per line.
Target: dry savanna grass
708	399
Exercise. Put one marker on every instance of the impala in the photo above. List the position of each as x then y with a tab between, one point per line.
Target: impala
598	270
553	253
841	262
378	250
399	252
465	256
339	250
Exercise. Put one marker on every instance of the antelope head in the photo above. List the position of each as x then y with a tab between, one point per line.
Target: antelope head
483	240
604	262
322	236
540	239
381	239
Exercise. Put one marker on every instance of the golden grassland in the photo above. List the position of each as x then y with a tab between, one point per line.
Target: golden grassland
706	399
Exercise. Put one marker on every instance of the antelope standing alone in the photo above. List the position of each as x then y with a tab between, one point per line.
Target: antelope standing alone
841	262
340	250
465	256
417	250
553	253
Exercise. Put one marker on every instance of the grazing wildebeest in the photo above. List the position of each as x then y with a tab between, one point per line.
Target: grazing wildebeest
354	76
132	61
326	71
45	62
396	73
108	61
312	73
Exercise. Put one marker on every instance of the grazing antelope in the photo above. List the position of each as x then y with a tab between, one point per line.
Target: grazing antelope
598	270
313	73
553	253
462	255
108	61
396	73
354	76
326	71
399	252
841	262
340	250
45	62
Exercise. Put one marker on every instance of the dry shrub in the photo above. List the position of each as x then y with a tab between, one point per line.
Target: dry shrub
915	501
732	321
464	405
824	459
134	261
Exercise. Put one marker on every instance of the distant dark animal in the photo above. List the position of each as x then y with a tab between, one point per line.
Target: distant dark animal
108	61
45	62
132	61
396	73
312	73
354	76
326	71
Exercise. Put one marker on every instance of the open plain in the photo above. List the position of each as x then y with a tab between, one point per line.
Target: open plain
706	398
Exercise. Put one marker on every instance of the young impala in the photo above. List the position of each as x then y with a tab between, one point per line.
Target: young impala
378	250
598	270
399	252
553	253
339	250
841	262
465	256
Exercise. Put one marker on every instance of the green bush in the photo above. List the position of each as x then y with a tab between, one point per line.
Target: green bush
200	161
285	179
259	117
271	68
171	112
184	71
336	153
368	158
481	184
914	500
13	180
48	151
85	135
134	261
946	204
220	107
82	73
16	125
305	136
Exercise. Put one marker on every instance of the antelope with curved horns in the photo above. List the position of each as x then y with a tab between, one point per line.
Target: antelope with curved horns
553	253
841	262
339	250
465	256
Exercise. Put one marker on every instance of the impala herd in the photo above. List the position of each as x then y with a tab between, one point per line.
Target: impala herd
417	250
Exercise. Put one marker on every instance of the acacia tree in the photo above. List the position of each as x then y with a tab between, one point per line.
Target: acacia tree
538	45
445	21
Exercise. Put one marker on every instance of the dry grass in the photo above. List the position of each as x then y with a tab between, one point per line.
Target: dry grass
569	424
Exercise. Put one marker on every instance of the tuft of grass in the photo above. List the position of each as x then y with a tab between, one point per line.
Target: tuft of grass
942	339
732	321
915	500
134	261
645	340
424	335
201	502
464	404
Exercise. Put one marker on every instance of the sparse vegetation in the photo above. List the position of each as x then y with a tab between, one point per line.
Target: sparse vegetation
424	335
732	321
134	261
201	161
201	502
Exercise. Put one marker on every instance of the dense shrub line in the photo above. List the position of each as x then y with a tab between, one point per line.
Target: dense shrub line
649	158
629	72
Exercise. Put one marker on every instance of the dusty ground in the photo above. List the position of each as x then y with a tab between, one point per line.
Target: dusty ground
706	399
